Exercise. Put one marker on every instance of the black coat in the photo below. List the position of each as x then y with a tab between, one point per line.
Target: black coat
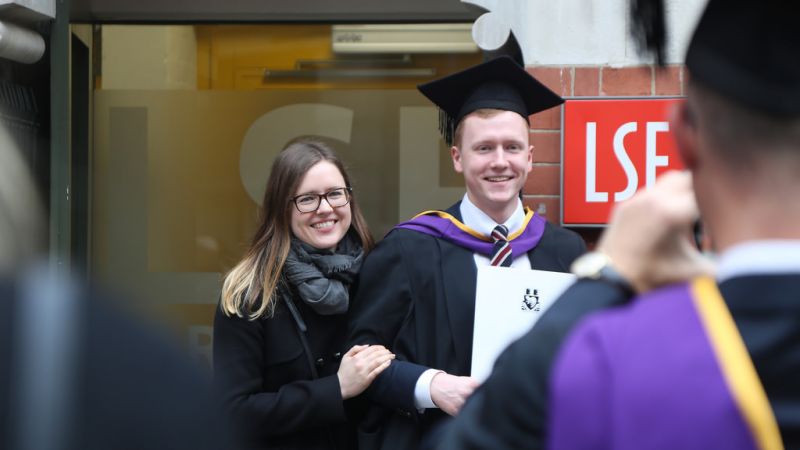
416	296
266	379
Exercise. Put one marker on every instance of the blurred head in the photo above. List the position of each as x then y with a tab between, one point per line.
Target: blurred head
743	99
736	135
491	149
745	165
304	167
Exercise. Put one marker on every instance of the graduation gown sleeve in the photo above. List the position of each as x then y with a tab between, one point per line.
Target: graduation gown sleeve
581	403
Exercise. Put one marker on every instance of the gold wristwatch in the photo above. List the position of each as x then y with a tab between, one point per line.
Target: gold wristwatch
598	266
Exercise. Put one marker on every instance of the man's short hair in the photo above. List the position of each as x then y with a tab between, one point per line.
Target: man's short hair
483	113
741	134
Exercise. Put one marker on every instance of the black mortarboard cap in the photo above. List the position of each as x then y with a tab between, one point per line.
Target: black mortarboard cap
749	51
499	83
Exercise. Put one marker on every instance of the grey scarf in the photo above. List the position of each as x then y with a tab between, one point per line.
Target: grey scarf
322	278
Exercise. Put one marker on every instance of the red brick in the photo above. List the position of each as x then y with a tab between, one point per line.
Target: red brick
548	207
558	79
668	80
627	81
547	120
544	180
587	81
546	147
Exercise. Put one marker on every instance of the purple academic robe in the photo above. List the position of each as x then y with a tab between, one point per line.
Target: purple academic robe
644	376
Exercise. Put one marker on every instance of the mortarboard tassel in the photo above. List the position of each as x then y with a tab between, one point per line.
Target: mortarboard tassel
648	27
447	127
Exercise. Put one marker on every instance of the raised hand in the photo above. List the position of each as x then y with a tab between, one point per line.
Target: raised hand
649	237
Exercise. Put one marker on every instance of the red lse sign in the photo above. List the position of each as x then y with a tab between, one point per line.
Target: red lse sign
611	149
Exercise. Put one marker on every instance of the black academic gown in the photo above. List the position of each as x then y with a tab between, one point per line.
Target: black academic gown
766	309
417	297
510	410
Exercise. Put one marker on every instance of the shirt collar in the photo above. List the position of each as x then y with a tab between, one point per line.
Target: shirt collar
764	257
479	221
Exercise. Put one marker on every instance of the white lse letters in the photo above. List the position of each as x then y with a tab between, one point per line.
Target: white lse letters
652	159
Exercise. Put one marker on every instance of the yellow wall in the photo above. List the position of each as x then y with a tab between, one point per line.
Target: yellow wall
235	57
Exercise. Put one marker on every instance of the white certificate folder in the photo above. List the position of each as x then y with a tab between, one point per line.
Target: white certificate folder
508	302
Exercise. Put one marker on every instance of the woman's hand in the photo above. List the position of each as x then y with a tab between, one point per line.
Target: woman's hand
360	366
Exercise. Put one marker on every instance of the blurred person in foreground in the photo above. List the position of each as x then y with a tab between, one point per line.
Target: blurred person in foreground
279	356
739	135
710	362
76	371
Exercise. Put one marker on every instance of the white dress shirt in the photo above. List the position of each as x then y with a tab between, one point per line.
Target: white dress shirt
766	257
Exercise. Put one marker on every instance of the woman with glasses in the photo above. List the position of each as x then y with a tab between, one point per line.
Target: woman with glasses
280	328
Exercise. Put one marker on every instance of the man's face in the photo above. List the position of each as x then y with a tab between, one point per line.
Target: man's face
495	157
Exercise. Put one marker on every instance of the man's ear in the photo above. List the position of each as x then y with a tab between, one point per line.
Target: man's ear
456	155
684	128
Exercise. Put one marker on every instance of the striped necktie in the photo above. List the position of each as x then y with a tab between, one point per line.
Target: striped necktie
501	252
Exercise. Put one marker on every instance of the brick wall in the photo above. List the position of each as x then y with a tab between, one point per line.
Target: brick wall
542	190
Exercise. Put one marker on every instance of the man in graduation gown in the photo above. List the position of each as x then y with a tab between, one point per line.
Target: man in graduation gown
711	362
416	293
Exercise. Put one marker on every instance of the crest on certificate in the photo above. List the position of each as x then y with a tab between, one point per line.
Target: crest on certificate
508	302
530	301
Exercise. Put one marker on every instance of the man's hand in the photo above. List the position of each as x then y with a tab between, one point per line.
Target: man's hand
649	237
449	392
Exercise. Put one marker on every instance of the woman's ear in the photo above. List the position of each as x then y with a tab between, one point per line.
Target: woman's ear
683	123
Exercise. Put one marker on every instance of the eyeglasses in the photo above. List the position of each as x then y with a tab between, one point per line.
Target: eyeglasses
337	198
